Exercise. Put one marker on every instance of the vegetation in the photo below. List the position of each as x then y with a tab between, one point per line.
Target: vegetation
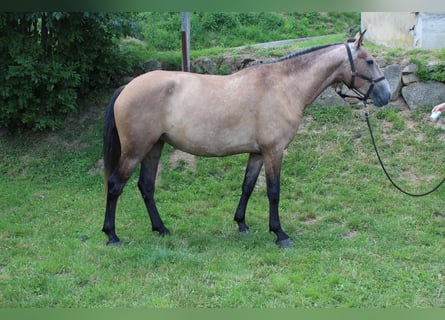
51	59
430	64
425	72
224	29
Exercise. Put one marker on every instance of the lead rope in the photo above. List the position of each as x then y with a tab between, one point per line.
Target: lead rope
383	166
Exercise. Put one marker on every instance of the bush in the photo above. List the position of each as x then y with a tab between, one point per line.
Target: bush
50	59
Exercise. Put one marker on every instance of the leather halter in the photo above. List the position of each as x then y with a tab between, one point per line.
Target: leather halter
355	74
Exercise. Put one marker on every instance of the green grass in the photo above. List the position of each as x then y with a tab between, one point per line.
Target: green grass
357	241
218	33
160	30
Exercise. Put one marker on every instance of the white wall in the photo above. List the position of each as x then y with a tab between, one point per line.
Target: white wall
431	27
405	29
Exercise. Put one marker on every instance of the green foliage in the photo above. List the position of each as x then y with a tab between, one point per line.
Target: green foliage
232	29
423	72
49	59
427	72
439	72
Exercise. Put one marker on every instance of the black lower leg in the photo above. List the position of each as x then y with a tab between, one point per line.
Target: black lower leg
146	184
252	171
115	187
148	195
273	193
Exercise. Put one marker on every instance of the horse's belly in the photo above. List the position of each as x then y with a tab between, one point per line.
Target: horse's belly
211	143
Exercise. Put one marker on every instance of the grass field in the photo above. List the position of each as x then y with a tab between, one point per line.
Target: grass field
358	242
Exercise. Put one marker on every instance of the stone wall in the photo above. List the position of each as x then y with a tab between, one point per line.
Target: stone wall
407	92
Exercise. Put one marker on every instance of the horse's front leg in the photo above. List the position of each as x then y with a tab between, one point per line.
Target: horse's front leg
272	162
252	171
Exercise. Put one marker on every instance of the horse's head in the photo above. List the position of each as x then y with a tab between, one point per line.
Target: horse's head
364	75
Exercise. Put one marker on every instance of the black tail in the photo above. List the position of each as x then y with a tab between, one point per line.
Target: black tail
112	144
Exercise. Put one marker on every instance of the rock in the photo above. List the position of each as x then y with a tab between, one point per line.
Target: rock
329	98
409	74
393	74
203	66
350	96
398	104
381	62
407	79
411	68
152	65
423	94
217	65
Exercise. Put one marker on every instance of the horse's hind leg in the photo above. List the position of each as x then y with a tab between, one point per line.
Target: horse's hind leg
116	184
115	187
146	184
252	171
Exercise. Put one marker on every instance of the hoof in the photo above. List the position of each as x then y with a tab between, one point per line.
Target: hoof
114	243
245	230
164	233
162	230
285	243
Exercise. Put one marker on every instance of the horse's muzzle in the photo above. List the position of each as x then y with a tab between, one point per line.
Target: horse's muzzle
381	93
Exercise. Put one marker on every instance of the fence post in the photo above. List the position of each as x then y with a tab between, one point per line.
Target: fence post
185	34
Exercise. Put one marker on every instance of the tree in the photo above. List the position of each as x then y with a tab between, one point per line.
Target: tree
50	59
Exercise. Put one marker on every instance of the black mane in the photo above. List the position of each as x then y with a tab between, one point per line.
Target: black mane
304	51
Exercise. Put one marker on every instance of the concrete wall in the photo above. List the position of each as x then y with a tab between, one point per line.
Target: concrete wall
390	29
405	29
431	27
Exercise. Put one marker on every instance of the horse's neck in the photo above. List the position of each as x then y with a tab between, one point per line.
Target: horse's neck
314	72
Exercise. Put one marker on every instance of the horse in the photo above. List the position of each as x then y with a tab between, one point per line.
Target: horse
256	110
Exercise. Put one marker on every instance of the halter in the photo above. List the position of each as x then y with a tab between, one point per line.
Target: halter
360	95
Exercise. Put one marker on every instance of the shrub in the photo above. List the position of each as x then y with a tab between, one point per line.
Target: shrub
50	59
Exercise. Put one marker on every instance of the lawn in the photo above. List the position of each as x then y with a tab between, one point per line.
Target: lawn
358	242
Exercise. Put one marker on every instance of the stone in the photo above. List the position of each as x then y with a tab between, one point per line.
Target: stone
409	78
393	74
152	65
422	94
398	104
329	98
204	66
411	68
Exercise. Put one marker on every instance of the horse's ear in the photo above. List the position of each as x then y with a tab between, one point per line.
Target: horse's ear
359	38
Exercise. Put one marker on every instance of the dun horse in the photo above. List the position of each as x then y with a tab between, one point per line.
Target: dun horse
256	110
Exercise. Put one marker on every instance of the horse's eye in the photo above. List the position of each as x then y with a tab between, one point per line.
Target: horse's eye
370	61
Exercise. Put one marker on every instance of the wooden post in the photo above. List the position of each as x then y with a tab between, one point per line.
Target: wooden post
185	35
